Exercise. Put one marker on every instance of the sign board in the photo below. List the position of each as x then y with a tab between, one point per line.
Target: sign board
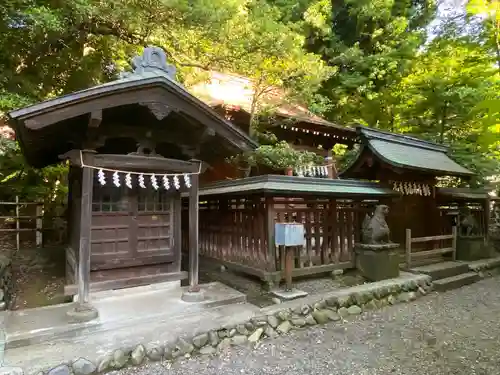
289	234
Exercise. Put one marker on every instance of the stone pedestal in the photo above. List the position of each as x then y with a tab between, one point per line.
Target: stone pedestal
472	248
378	262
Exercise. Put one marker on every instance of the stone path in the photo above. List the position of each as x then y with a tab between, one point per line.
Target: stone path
452	333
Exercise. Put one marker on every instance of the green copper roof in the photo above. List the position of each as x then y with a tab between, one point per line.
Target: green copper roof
411	153
287	185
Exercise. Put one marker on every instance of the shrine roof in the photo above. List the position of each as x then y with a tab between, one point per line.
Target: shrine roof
290	185
409	153
463	193
151	72
237	93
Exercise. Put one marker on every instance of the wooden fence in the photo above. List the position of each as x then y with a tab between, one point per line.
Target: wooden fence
450	216
239	232
422	255
25	220
21	217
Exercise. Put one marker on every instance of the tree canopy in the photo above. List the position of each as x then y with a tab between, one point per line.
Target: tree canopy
352	61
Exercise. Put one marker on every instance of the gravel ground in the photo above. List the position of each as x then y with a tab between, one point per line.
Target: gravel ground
452	333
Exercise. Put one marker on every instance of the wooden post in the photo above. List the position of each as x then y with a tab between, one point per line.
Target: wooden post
176	220
18	226
408	248
39	225
85	232
193	235
271	248
288	250
454	242
84	311
194	293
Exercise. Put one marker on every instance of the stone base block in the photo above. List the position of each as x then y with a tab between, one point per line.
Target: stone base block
378	262
193	296
472	248
82	313
288	295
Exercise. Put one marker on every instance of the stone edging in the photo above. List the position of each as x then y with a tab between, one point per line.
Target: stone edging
277	320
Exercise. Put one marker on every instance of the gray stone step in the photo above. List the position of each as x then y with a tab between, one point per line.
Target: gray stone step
442	270
455	282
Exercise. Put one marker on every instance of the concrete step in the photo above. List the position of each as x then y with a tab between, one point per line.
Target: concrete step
442	270
44	324
455	282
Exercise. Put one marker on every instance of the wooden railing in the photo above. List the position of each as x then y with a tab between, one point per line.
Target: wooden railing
29	223
239	232
477	212
422	254
18	218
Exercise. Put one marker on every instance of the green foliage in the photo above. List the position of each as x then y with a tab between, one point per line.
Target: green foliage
51	47
277	156
389	77
18	179
353	61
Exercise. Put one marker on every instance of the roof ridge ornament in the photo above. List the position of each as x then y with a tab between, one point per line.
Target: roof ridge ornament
153	59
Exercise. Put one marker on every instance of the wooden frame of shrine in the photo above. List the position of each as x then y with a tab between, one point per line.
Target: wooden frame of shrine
134	145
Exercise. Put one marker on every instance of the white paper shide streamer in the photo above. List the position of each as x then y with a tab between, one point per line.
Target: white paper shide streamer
101	177
166	182
412	188
177	183
187	180
116	179
154	183
144	179
128	180
141	181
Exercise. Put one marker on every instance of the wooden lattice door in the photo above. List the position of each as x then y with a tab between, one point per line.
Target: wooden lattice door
130	227
151	227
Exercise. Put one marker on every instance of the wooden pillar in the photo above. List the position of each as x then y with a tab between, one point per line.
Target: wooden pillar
85	232
193	235
84	311
177	225
194	292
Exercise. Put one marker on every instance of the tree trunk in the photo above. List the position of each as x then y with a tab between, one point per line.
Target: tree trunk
443	123
497	42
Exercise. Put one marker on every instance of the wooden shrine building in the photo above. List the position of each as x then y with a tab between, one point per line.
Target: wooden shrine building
133	146
410	166
231	96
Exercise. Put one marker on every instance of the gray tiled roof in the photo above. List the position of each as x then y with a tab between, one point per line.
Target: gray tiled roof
287	185
409	152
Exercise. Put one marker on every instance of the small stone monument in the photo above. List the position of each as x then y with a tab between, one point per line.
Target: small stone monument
377	258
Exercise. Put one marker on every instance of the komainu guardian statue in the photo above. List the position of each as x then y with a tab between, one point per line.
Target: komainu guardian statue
375	230
468	224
